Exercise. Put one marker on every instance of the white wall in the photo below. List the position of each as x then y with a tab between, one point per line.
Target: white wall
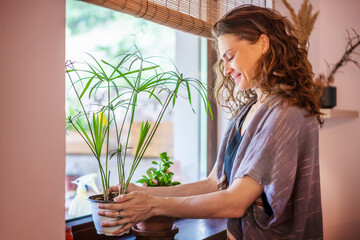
32	142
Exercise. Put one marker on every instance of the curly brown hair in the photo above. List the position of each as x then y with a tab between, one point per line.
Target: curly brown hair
283	71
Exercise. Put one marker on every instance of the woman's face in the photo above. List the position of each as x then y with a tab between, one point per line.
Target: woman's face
240	57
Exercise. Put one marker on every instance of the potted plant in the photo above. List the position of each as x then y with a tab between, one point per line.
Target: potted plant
116	86
159	176
328	99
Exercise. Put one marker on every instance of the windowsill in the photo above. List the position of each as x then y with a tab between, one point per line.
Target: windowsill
210	229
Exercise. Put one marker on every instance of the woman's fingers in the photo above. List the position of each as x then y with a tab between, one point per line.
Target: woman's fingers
112	214
137	196
121	214
114	189
133	188
124	223
116	222
123	198
123	228
111	206
123	217
113	223
127	210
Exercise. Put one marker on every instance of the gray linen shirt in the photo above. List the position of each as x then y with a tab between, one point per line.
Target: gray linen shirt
280	150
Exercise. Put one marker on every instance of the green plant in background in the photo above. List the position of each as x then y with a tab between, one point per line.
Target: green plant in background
161	176
83	17
120	85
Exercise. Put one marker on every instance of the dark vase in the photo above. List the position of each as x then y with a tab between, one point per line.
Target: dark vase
328	99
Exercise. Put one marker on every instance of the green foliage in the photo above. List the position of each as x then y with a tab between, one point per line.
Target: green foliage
82	17
119	85
160	176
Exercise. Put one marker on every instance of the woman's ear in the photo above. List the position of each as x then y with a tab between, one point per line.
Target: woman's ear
264	43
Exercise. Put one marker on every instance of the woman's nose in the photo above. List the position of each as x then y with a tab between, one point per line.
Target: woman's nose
227	69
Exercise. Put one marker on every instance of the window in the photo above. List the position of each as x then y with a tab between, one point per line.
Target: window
105	33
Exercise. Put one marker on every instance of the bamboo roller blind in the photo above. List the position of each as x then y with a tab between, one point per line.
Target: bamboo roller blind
192	16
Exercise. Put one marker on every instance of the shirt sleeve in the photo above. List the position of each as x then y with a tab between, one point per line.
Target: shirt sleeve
271	156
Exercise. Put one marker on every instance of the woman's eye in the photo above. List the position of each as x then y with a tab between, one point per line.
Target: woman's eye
230	58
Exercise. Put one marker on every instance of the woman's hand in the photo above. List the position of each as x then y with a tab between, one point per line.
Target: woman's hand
130	209
131	188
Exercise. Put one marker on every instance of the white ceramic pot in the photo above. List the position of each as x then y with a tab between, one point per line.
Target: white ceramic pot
97	219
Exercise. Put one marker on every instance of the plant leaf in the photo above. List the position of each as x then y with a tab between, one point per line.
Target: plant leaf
86	86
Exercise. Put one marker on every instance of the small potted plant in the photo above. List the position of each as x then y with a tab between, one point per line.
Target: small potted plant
159	176
116	88
328	99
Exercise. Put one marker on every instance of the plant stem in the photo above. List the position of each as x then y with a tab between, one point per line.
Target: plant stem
108	137
343	60
82	106
148	139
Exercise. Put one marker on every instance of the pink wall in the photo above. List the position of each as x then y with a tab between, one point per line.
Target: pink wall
339	138
32	142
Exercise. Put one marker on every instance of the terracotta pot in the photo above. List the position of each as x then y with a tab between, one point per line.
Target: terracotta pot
156	224
95	200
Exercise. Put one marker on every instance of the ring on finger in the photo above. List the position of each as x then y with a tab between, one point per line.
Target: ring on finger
119	215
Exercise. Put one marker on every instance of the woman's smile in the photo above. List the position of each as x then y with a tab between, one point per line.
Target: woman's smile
237	78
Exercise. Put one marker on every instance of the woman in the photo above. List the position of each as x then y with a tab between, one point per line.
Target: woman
266	178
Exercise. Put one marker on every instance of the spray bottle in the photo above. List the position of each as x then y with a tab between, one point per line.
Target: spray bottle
80	205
